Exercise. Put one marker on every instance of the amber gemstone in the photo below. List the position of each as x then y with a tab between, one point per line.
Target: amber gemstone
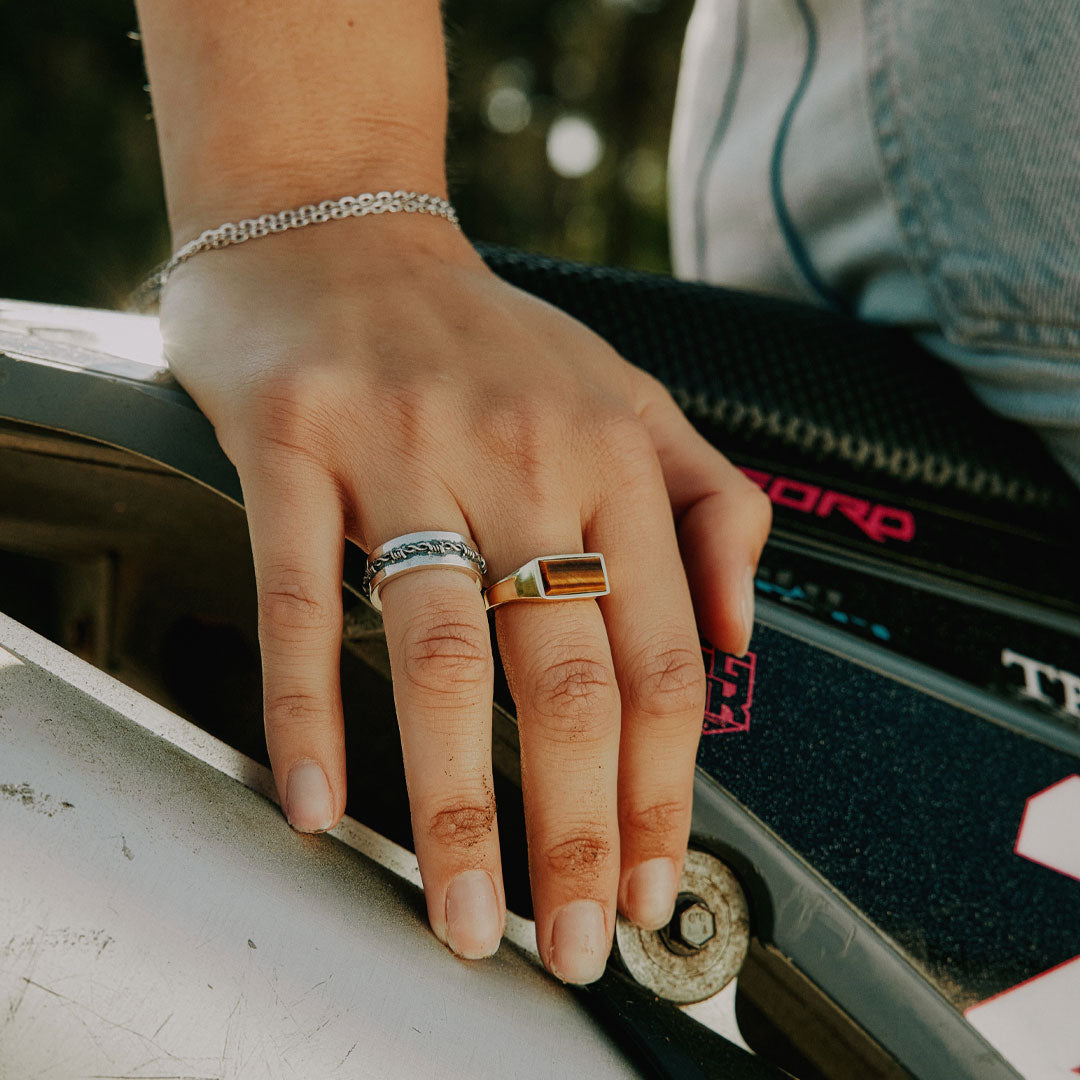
573	576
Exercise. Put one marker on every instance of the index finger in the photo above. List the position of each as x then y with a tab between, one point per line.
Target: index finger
296	521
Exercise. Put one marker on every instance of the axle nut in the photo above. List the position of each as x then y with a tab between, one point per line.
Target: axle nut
703	947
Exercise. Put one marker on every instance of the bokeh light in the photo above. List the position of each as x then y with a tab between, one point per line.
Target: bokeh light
643	174
574	146
508	110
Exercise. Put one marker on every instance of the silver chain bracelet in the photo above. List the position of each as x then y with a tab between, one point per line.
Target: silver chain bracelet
382	202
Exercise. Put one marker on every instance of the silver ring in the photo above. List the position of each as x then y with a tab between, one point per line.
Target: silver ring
552	577
416	551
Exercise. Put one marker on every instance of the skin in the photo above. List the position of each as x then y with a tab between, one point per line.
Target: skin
370	378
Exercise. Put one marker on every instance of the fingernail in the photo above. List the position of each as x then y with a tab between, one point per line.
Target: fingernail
473	925
748	608
308	804
650	893
579	942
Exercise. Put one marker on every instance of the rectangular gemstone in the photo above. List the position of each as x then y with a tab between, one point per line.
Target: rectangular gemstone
573	575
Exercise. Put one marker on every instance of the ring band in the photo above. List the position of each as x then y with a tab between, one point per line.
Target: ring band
417	551
552	577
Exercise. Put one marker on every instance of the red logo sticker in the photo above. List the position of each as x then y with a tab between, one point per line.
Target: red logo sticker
880	523
730	691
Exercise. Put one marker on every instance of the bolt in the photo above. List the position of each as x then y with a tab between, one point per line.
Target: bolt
696	926
692	926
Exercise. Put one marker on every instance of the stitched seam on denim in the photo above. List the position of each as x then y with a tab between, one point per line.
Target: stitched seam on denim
908	200
793	241
912	201
723	122
893	154
974	327
994	336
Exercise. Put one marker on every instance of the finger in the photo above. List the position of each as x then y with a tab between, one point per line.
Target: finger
658	663
440	657
722	521
559	669
296	522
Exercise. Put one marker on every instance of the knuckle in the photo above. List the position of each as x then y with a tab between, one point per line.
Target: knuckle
294	414
623	437
626	459
517	427
584	856
651	391
295	710
574	694
660	820
443	652
463	825
293	604
759	509
668	681
521	436
411	410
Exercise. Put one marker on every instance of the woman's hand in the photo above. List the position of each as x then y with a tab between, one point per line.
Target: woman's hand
371	378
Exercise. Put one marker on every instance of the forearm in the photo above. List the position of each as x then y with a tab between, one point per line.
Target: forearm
264	104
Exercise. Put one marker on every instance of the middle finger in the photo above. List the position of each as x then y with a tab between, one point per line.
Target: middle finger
559	668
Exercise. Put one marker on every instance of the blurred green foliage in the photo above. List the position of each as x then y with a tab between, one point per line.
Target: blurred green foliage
81	209
586	84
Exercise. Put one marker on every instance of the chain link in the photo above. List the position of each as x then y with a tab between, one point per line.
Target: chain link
382	202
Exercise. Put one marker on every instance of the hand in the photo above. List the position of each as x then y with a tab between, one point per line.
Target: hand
372	378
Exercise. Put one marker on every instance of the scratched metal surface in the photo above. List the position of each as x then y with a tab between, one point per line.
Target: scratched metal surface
109	342
159	919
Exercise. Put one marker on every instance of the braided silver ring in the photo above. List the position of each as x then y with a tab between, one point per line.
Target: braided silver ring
417	551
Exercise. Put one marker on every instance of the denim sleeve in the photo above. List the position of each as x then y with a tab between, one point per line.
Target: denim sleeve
976	112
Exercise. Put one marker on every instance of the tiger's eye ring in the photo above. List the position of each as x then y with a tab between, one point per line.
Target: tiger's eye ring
552	577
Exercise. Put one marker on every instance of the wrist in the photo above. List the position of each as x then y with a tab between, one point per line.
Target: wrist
325	212
268	105
323	260
248	187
